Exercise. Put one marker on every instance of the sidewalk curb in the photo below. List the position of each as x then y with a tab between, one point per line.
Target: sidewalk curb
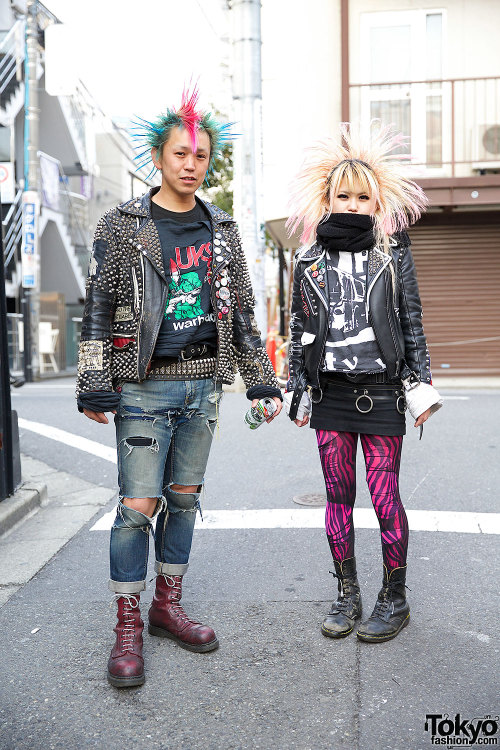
13	509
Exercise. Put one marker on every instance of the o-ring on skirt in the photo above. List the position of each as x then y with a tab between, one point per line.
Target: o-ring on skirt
360	404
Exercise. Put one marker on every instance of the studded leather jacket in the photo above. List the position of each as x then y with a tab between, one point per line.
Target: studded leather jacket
395	314
127	293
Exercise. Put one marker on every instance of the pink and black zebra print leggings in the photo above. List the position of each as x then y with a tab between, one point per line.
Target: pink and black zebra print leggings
382	454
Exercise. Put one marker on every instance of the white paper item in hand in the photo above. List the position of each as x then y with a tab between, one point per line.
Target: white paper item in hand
422	397
304	409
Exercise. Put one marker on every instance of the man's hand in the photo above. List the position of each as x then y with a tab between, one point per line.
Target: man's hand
97	416
278	403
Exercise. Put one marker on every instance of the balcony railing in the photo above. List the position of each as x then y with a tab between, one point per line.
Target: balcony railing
453	124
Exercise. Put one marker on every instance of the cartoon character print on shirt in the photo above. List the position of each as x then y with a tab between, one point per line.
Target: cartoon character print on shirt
183	294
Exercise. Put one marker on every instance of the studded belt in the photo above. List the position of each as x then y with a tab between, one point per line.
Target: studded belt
191	369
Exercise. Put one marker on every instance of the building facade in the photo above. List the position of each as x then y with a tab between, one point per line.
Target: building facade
81	171
434	71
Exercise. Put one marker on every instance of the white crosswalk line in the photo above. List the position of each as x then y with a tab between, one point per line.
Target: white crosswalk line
282	518
68	438
314	518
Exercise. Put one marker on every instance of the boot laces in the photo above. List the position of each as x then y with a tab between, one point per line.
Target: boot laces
127	632
175	582
345	592
387	593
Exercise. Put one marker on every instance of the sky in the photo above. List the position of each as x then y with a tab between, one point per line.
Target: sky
134	56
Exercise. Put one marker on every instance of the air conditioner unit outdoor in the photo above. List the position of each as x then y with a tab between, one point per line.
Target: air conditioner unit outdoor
486	147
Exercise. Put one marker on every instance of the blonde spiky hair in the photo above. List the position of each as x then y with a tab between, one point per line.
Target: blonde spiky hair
364	155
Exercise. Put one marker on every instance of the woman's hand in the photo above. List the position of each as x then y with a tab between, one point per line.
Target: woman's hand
301	422
423	417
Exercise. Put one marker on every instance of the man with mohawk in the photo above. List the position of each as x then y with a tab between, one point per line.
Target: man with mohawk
168	319
358	354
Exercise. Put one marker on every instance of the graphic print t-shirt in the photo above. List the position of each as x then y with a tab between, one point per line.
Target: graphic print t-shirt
186	243
350	344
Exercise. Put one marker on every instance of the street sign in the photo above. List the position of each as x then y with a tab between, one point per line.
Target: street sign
29	247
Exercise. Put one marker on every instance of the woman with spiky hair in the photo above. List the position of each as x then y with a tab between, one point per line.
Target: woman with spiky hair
358	354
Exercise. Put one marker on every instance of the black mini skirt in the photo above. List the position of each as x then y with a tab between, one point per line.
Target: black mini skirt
360	404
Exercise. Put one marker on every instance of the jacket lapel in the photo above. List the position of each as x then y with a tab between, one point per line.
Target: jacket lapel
377	262
315	273
147	241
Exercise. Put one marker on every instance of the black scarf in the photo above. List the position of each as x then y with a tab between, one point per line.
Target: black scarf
351	232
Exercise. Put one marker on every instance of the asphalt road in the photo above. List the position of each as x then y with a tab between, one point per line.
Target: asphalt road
275	682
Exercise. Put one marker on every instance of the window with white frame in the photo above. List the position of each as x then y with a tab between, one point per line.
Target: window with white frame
402	60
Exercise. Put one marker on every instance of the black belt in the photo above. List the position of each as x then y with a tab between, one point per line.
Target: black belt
192	351
360	377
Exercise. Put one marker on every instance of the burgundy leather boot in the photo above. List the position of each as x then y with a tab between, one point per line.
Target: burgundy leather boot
167	618
126	665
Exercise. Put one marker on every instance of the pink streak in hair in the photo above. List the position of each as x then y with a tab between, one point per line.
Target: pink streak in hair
188	114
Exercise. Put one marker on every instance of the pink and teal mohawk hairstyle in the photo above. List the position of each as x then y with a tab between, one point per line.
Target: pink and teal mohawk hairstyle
155	134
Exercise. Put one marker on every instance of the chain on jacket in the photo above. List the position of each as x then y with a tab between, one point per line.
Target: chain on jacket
127	293
394	311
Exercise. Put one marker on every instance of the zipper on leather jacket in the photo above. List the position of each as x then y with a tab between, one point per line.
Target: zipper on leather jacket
306	294
214	306
390	311
325	336
142	311
136	290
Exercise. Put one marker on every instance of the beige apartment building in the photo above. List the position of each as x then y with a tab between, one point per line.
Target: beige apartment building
433	69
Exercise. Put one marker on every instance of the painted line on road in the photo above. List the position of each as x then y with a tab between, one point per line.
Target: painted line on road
277	518
314	518
68	438
41	386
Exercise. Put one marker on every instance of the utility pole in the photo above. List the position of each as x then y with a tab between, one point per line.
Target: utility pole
247	96
30	253
6	447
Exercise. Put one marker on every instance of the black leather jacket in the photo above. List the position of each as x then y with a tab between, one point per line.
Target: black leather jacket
127	293
396	316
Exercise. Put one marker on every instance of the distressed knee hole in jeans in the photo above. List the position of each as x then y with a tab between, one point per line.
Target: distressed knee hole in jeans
184	502
149	443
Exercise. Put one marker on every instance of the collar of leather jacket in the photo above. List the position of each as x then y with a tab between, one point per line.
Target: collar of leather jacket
142	207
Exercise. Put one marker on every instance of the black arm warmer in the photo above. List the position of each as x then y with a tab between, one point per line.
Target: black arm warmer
261	391
98	401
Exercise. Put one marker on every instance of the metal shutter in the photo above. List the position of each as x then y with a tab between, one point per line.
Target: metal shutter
457	257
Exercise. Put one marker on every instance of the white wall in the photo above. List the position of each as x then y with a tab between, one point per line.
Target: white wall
301	87
471	44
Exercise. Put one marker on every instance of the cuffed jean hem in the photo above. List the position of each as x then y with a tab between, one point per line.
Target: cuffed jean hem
171	569
126	587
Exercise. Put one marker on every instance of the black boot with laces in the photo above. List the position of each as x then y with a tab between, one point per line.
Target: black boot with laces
391	612
347	609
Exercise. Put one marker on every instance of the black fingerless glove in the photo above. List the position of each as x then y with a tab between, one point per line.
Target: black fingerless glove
98	401
261	391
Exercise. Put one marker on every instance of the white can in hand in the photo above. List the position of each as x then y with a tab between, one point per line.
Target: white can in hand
258	414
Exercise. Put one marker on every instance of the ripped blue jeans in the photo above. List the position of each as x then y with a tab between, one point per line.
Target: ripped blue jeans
164	431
